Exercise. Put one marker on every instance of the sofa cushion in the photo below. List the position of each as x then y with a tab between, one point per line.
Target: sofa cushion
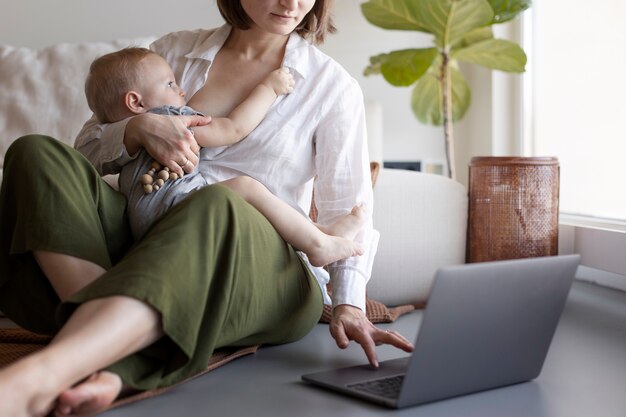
422	219
42	90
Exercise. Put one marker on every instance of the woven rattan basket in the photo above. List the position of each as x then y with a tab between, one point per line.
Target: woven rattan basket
513	208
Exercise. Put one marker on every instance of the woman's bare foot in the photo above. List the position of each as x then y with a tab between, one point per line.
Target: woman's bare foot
336	242
93	394
348	226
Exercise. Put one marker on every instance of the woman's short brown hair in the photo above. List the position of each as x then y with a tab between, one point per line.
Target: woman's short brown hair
314	27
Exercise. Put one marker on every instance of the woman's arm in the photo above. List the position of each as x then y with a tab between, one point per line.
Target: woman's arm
343	181
248	114
105	151
166	138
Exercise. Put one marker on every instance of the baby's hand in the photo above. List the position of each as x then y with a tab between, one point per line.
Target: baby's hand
280	80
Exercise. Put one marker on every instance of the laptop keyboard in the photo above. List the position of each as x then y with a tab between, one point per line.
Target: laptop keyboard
386	387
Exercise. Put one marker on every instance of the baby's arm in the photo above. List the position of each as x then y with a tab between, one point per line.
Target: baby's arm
248	114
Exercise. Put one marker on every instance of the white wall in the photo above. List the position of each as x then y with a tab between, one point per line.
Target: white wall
38	23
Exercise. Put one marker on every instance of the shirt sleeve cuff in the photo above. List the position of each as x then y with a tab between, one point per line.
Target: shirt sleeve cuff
348	287
113	139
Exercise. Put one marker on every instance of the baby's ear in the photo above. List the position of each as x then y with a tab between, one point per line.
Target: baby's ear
132	100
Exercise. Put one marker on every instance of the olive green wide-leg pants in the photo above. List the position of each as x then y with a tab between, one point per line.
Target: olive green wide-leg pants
213	266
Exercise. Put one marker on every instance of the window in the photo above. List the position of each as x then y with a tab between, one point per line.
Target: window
578	72
574	107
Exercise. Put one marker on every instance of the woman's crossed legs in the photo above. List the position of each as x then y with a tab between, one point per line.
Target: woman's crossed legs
104	325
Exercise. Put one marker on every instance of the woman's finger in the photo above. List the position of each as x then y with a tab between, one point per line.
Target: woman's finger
369	347
391	337
175	167
193	157
182	159
187	166
338	333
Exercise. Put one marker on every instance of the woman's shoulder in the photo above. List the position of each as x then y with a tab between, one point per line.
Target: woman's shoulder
312	60
181	42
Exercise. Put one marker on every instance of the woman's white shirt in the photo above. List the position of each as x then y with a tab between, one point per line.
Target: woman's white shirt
317	131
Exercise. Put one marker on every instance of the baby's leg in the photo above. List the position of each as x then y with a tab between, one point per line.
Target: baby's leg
321	248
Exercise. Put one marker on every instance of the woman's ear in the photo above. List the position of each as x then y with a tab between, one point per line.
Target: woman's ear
132	100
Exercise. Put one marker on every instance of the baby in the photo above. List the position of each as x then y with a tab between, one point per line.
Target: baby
136	80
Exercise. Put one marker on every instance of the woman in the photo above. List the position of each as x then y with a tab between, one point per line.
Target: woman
151	314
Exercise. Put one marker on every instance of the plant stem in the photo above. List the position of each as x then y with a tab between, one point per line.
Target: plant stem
446	102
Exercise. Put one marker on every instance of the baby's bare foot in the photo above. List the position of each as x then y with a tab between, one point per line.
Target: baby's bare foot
332	249
92	395
348	226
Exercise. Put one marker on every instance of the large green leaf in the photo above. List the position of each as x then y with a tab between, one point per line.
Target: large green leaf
451	20
426	98
505	10
402	68
475	36
498	54
393	14
461	95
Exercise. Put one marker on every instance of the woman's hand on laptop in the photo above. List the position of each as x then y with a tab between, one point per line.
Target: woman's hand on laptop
350	323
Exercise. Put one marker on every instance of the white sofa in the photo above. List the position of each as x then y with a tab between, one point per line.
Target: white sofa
421	217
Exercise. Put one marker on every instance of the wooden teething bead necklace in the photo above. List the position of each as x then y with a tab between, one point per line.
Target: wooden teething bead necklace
151	183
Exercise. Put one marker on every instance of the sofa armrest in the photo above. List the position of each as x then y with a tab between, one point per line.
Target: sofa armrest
422	220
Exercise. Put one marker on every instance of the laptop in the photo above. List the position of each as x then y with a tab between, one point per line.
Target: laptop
486	325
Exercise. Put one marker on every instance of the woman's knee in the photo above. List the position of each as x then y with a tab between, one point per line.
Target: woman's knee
26	152
33	157
30	144
211	203
214	195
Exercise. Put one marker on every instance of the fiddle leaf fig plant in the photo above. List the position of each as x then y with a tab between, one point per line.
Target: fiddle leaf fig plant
462	32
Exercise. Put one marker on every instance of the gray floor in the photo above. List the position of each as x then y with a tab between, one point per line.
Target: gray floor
584	375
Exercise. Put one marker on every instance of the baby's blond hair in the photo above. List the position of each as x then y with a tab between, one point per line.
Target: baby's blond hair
110	77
